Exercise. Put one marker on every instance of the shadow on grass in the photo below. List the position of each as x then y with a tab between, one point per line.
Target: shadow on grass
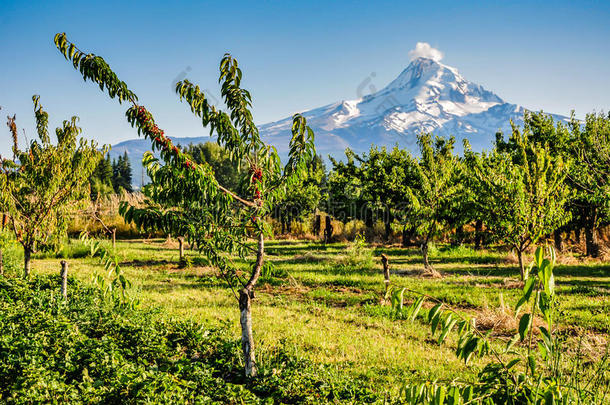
147	263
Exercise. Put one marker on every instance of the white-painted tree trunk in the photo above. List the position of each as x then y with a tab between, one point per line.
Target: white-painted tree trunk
246	295
247	339
64	279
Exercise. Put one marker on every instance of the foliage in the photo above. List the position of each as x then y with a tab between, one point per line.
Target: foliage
226	171
86	350
12	254
45	183
302	197
371	186
589	178
101	179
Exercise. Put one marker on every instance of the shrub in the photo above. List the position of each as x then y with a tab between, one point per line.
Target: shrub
88	350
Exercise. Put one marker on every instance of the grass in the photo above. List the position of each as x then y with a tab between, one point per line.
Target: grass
325	304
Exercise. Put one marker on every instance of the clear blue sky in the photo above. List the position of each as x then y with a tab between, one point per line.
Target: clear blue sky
550	55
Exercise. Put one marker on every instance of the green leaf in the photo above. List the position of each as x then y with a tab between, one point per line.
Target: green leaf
538	256
524	325
531	361
434	311
416	308
527	293
449	323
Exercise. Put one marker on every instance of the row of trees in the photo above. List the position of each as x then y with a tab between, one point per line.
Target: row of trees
545	179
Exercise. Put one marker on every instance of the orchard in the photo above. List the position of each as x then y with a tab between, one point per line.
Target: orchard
437	275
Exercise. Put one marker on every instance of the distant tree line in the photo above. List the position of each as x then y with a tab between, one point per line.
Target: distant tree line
111	176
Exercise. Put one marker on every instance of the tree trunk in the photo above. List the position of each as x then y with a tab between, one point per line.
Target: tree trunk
428	269
246	295
316	225
591	241
478	234
521	266
558	238
114	238
283	221
289	225
424	252
328	229
388	230
247	339
459	236
181	248
27	253
405	237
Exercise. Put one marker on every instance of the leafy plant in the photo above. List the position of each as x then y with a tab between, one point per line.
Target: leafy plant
358	254
88	350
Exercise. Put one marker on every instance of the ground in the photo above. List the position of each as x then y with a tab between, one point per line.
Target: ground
325	302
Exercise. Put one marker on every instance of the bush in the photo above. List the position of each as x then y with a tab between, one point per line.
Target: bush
12	254
88	350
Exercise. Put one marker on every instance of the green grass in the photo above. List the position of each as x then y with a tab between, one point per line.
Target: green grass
326	305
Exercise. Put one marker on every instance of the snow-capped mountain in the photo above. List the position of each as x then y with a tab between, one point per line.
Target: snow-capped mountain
427	96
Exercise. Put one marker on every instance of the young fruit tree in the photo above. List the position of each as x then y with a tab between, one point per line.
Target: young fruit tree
433	192
590	179
185	198
44	183
521	193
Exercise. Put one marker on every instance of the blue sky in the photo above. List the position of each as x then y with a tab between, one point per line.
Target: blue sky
550	55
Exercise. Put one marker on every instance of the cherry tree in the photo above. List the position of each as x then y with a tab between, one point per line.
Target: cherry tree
185	198
45	182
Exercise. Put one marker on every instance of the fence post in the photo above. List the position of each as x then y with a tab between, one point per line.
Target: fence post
386	271
113	238
181	244
64	279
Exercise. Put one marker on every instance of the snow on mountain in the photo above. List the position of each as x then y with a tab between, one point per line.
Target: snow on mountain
427	96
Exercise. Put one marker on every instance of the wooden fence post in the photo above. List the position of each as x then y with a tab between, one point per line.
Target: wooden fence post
113	238
386	271
64	279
